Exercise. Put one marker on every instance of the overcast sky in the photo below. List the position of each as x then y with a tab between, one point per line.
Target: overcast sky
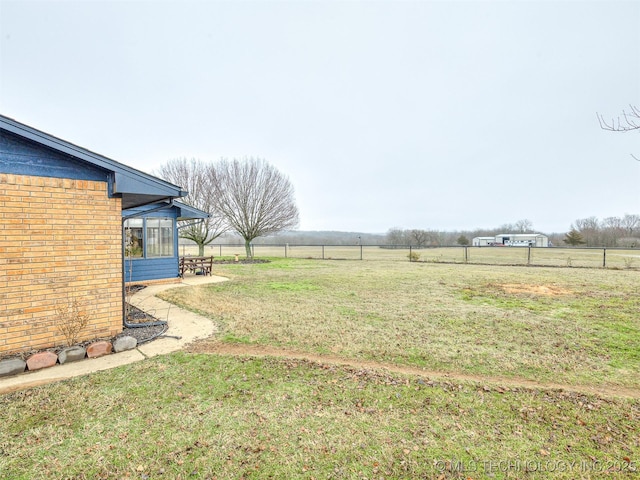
411	114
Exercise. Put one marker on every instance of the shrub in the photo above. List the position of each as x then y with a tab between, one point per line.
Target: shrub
71	320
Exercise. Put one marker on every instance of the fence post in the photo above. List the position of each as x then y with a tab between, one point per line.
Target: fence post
604	258
410	256
529	256
360	251
466	254
285	250
220	249
323	252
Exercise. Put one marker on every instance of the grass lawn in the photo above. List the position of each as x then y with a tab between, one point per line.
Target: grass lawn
573	326
200	416
185	416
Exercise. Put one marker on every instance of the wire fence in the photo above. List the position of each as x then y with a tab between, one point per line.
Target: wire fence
614	258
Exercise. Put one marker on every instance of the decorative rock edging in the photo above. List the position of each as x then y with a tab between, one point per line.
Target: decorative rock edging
46	359
41	360
121	344
12	366
71	354
99	349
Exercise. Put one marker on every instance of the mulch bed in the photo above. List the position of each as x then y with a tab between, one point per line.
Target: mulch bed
141	333
144	334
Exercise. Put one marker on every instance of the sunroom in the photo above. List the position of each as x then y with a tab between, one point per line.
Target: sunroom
151	241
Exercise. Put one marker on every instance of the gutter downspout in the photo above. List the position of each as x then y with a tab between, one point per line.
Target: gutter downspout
124	271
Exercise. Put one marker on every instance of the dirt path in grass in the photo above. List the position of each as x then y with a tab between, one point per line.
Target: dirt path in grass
494	383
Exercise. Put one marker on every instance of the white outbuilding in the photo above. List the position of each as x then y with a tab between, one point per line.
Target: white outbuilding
483	241
513	240
522	240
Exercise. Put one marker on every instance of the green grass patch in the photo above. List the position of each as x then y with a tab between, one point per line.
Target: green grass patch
198	416
292	286
231	338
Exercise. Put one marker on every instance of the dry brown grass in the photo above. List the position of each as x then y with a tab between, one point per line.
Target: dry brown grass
566	325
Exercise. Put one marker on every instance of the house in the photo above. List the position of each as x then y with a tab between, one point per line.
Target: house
62	210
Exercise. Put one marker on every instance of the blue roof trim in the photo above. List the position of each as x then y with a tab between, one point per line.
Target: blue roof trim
186	212
177	210
127	180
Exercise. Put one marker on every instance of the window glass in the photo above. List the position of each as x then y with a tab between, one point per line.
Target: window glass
133	237
159	237
166	237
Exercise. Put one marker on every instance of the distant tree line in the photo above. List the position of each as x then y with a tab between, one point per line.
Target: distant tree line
322	238
621	232
433	238
608	232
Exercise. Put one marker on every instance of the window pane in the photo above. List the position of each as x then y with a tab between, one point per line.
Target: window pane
133	238
153	237
159	237
166	236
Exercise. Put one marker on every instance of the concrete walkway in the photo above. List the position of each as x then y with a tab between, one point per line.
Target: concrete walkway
184	328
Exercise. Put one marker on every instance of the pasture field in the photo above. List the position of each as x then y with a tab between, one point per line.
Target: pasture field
417	370
575	326
613	258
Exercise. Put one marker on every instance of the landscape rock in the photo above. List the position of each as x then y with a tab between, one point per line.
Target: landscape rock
41	360
71	354
124	343
11	366
99	349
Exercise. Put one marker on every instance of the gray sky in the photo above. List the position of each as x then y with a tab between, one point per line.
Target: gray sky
424	114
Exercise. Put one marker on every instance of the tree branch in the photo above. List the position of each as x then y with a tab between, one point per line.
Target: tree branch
630	121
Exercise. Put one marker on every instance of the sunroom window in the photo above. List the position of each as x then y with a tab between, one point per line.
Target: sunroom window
149	237
134	239
159	237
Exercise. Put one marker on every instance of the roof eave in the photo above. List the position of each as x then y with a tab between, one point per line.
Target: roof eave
127	180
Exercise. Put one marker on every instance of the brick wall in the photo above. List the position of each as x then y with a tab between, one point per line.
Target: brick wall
60	241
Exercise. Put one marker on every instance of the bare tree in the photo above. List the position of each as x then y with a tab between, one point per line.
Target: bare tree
396	236
420	237
254	198
524	226
631	223
195	177
626	122
589	229
507	228
612	230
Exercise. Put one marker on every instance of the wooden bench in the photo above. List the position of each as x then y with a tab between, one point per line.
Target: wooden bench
196	265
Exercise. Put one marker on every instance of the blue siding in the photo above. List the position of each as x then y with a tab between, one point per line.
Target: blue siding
141	269
20	156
